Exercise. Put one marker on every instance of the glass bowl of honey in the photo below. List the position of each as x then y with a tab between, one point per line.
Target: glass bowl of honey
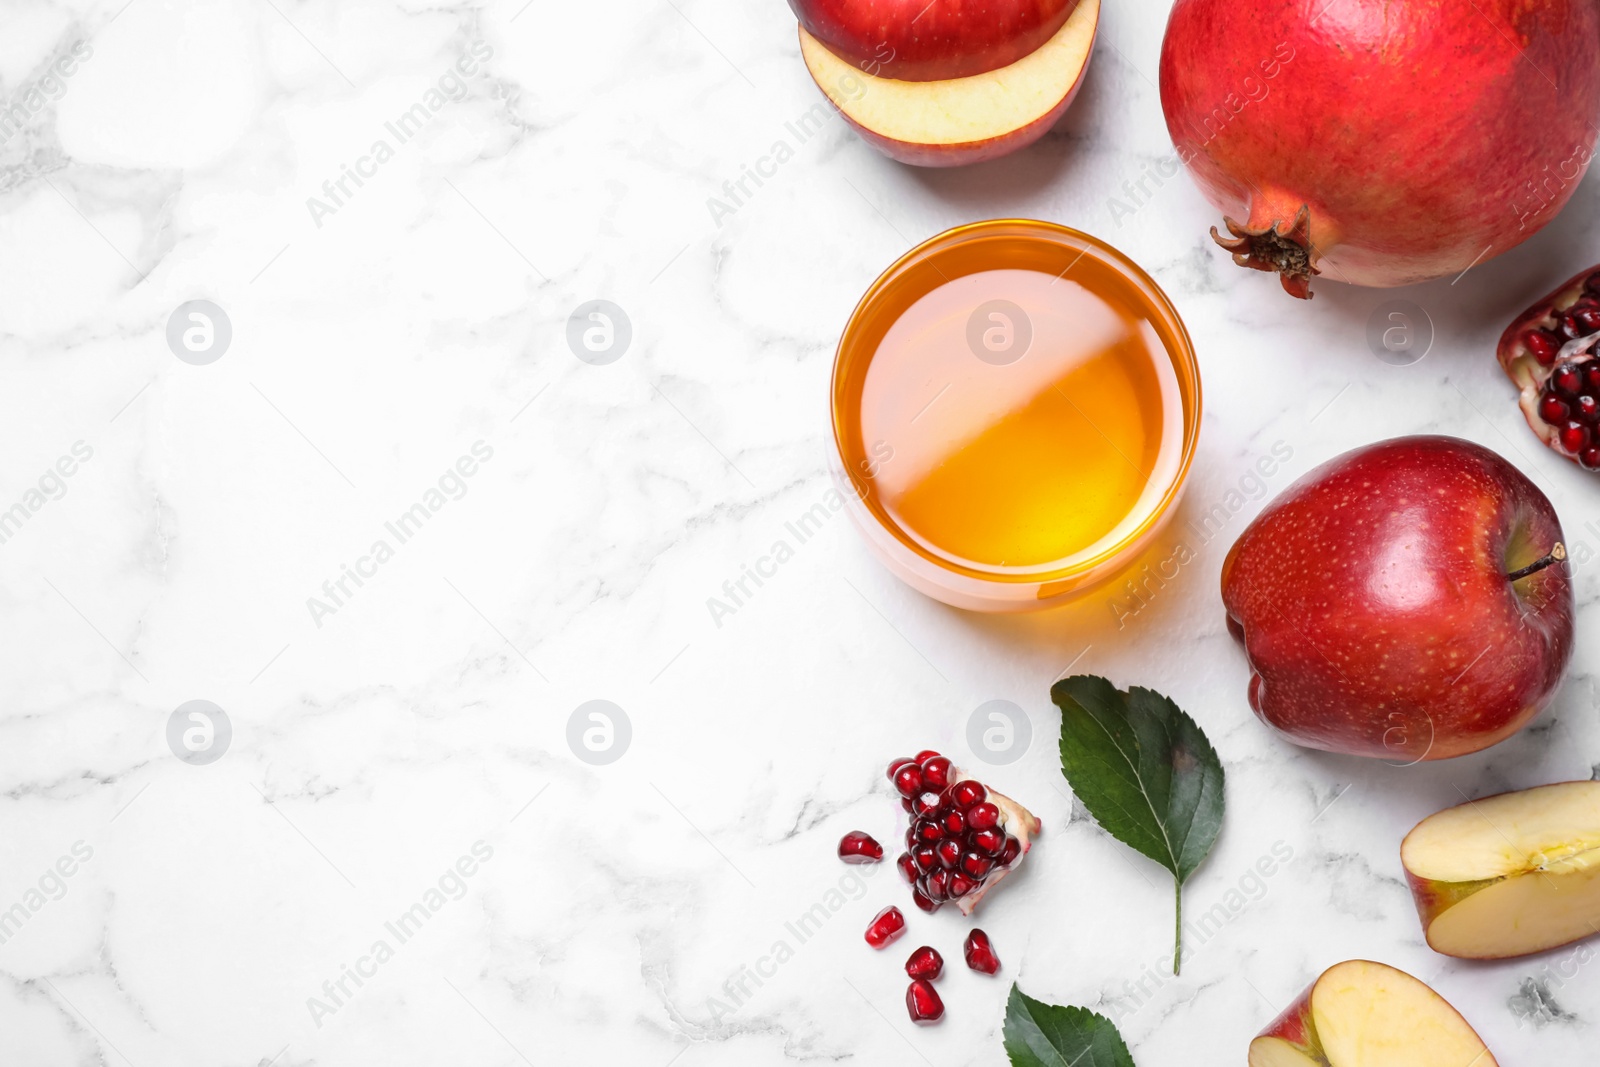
1015	407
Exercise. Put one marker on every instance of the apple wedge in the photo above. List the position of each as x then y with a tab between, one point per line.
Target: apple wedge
961	120
1364	1014
929	40
1510	874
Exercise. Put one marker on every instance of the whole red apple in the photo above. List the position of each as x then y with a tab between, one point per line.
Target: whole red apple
931	40
1405	601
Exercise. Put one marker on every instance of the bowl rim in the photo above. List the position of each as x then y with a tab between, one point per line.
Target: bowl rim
1184	362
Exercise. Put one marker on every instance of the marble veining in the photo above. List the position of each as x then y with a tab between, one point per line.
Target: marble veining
400	314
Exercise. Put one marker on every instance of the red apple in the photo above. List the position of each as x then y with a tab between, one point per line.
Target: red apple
961	120
931	40
1406	601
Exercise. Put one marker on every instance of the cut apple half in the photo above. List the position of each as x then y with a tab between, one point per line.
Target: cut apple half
1364	1014
1510	874
961	120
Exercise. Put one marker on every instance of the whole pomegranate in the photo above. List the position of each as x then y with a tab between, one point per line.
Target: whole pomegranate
1381	142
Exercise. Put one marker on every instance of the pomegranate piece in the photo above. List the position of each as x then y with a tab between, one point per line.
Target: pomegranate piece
859	847
964	837
925	963
980	953
1550	353
923	1002
887	925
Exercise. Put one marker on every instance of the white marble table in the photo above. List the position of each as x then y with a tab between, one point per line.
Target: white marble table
403	740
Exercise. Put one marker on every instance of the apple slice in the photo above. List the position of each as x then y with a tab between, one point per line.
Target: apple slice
961	120
1510	874
1364	1014
929	40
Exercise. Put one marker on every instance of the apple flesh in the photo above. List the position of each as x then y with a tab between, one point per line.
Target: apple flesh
1384	607
1510	874
961	120
1364	1014
931	40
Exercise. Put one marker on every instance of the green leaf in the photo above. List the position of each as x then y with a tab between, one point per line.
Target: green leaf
1045	1035
1145	771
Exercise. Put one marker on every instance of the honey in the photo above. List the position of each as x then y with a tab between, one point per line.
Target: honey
1016	404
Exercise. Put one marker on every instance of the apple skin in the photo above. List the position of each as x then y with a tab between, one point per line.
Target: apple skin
915	40
1293	1025
1372	601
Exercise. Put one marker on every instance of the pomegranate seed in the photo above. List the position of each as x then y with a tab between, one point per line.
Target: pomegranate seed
1592	285
959	885
983	816
1587	317
936	772
965	794
977	866
905	802
1586	409
925	963
908	780
1552	410
928	831
1590	458
924	857
1567	323
887	925
1591	376
1574	436
955	823
921	900
925	803
1566	380
937	884
858	847
1009	854
980	953
991	842
923	1003
908	867
949	852
926	754
1543	344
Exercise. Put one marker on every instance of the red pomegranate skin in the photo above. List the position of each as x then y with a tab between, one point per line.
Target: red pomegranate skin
1423	135
1372	600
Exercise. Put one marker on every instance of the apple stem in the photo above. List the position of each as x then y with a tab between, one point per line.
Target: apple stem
1557	554
1177	929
